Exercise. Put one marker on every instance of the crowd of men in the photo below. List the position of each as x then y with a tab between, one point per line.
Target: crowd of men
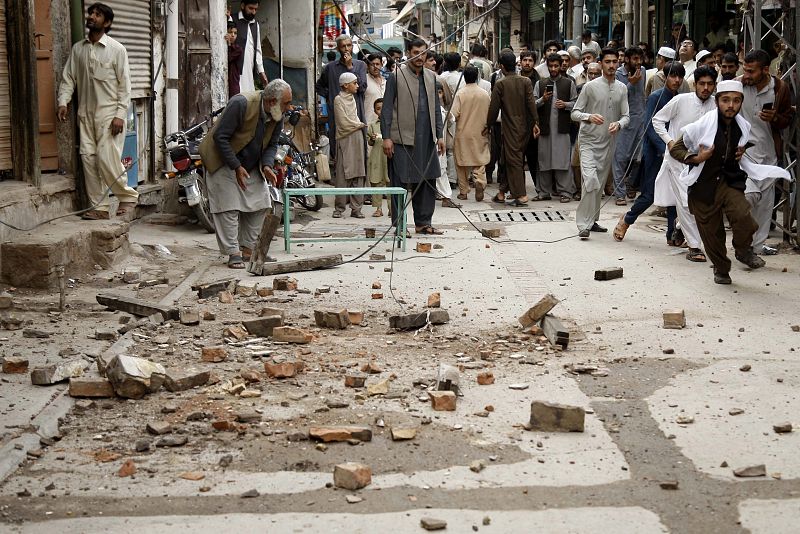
586	122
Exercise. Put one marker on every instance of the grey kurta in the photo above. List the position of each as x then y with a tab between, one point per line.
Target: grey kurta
410	164
224	193
554	151
628	145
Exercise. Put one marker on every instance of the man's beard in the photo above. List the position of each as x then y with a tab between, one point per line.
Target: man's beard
275	112
728	75
248	16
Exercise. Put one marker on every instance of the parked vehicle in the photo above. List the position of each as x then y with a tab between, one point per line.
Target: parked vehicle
299	166
184	153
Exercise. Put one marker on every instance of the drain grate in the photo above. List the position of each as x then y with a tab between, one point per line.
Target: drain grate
522	216
660	228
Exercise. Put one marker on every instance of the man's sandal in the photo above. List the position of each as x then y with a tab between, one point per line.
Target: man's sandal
695	254
429	230
95	215
235	261
125	207
621	229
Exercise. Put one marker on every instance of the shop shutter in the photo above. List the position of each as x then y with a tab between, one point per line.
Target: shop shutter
5	101
132	27
535	11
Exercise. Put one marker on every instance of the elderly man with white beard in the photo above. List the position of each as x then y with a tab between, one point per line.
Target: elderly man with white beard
239	154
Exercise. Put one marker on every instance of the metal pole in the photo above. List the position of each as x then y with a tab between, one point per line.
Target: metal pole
628	18
756	24
171	62
280	35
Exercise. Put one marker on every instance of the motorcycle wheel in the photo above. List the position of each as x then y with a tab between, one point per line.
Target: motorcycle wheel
310	202
202	210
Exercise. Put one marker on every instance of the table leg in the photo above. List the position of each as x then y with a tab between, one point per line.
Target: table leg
287	239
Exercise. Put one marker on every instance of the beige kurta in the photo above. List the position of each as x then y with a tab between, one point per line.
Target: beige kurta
349	139
470	108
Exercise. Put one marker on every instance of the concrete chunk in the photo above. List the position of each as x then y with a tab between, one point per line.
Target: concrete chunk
609	273
336	319
443	401
133	378
52	374
15	365
189	317
539	310
280	367
214	354
184	379
263	326
418	320
553	417
674	319
290	334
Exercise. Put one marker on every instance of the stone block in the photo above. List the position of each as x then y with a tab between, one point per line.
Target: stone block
431	523
214	354
338	320
189	317
90	387
290	334
236	332
106	334
674	319
492	233
403	433
418	320
354	380
356	316
131	275
609	273
435	300
329	434
553	417
269	312
52	374
538	311
158	428
6	300
225	297
263	326
424	247
133	378
265	291
184	379
15	365
443	401
246	288
352	476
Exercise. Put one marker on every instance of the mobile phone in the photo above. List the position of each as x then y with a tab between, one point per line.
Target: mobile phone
767	106
548	88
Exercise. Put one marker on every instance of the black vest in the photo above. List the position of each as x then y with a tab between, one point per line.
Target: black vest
562	89
243	33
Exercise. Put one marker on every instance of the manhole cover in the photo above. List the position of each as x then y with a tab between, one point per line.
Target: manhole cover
522	216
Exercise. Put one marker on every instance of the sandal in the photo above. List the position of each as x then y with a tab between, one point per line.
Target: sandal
539	198
378	213
620	229
497	199
246	254
429	230
517	203
95	215
447	203
125	207
695	254
235	261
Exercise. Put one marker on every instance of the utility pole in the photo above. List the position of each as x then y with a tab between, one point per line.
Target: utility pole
577	21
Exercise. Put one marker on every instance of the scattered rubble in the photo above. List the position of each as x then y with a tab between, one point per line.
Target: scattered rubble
751	471
57	372
674	319
133	378
552	417
429	523
15	365
352	476
609	273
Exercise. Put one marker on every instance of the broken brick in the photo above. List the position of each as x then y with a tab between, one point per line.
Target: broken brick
539	310
443	401
225	297
214	354
189	317
265	292
371	368
418	320
674	319
52	374
424	247
352	476
127	469
403	434
282	368
486	378
609	273
354	380
284	283
133	378
338	319
340	433
376	285
435	300
356	316
269	312
93	387
15	365
236	332
290	334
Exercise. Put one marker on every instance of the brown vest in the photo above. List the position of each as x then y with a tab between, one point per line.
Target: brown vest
212	159
404	119
563	86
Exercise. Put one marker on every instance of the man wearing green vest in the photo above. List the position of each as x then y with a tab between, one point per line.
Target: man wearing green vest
238	154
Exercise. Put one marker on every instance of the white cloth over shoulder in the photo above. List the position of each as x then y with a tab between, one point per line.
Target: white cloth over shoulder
703	132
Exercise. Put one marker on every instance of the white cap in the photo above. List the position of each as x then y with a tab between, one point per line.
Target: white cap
347	77
563	53
701	54
666	52
730	86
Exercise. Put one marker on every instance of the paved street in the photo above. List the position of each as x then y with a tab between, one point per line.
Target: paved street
670	414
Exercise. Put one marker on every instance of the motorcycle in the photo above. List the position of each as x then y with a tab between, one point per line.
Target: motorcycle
183	148
299	167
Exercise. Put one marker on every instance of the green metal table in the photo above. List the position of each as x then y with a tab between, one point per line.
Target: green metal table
399	234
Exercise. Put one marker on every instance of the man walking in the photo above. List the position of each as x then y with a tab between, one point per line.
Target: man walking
627	148
412	130
249	39
653	149
239	154
555	97
527	62
768	108
712	147
656	80
471	146
602	110
514	96
679	112
98	68
328	83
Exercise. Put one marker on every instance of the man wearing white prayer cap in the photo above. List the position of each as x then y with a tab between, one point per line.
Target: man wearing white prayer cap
655	77
704	57
713	147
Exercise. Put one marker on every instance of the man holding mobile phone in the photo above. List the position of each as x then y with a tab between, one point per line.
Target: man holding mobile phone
767	107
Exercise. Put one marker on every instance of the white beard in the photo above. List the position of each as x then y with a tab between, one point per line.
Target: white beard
275	112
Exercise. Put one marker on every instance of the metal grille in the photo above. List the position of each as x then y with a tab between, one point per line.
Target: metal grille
522	216
132	27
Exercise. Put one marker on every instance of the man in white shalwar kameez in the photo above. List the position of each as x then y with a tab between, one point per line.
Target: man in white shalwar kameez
683	109
249	38
602	110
